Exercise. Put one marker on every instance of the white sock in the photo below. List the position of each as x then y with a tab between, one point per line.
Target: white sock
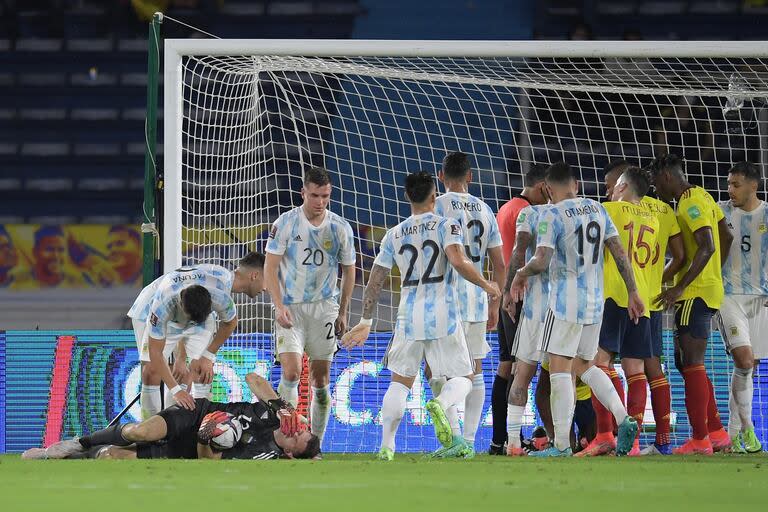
562	401
741	393
514	423
320	410
201	390
454	391
473	408
392	409
150	401
603	389
452	413
289	391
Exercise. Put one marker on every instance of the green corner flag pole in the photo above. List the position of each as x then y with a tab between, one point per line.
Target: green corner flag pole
150	237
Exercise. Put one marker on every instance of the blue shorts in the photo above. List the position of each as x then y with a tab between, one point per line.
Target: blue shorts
657	333
620	335
694	317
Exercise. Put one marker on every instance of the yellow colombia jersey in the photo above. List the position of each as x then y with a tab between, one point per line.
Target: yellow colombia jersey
668	227
638	228
583	392
695	210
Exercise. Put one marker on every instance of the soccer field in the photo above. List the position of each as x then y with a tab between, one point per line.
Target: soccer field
356	482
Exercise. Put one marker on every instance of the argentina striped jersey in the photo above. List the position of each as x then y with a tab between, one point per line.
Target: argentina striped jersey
429	295
481	232
746	270
536	296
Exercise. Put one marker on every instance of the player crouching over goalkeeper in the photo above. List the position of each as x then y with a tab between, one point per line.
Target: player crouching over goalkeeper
268	429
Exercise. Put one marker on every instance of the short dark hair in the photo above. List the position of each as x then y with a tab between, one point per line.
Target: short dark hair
560	173
456	165
418	186
196	301
317	176
535	175
616	166
252	260
311	451
638	179
747	169
670	163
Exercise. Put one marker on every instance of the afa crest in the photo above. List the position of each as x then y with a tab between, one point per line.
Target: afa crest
327	244
762	228
734	331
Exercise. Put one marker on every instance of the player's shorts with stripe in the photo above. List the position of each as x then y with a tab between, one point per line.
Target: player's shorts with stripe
657	333
507	330
527	346
694	317
743	321
182	425
478	345
312	332
196	338
620	335
447	357
568	339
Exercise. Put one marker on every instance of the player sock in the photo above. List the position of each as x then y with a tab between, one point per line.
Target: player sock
320	410
499	410
452	413
392	409
454	391
661	402
617	385
563	400
514	423
637	396
713	415
289	390
603	389
741	393
696	399
604	418
473	408
201	390
110	435
150	400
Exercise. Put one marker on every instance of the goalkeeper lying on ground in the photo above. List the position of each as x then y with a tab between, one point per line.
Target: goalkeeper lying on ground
267	429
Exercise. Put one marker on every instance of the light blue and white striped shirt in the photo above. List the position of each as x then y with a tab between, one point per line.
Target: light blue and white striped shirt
481	232
309	269
746	270
160	300
535	300
429	295
576	229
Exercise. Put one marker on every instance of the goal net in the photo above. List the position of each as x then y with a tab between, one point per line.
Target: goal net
243	119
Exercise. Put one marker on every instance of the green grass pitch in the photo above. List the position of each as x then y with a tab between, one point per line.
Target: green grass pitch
356	482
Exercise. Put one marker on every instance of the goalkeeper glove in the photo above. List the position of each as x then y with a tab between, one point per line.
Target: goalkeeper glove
214	424
290	419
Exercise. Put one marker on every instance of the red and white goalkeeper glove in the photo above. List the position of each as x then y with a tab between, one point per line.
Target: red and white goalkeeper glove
290	420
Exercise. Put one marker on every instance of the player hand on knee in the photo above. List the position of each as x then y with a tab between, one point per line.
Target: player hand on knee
357	336
184	399
283	317
180	370
202	370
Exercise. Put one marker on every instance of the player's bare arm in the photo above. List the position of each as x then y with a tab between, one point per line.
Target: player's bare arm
160	365
290	420
458	259
538	264
516	262
705	248
359	333
347	287
496	255
635	306
202	368
726	239
180	370
677	252
272	284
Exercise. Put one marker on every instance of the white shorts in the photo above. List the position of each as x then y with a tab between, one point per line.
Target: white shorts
527	344
743	321
567	339
312	331
195	338
447	357
478	345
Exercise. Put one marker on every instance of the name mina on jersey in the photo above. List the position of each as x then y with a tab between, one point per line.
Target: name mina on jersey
481	232
746	270
309	269
429	297
161	303
535	299
576	229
